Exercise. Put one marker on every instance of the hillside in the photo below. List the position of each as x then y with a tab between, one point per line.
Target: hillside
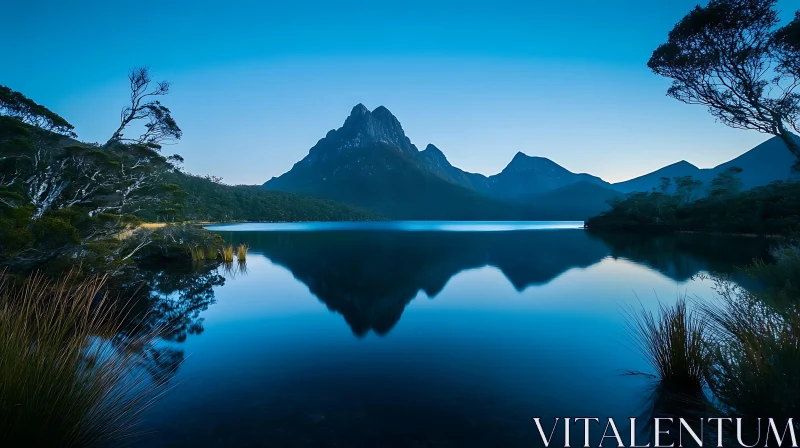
204	200
578	201
392	184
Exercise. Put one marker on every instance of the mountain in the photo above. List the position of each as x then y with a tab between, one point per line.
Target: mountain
371	163
768	162
578	201
526	177
652	180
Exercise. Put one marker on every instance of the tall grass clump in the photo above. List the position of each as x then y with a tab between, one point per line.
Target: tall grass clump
756	356
241	253
197	253
673	344
227	254
66	378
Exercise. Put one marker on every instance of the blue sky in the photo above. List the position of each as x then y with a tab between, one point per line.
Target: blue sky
256	84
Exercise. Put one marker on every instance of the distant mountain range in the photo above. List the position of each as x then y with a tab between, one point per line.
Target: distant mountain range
370	162
768	162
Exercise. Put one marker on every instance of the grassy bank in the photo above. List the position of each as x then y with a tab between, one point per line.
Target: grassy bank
67	377
737	355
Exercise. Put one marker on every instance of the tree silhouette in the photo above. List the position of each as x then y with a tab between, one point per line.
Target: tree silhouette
730	57
160	126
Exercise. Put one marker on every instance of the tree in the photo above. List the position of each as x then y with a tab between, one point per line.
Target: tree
787	48
665	184
17	105
730	57
686	188
160	127
726	184
60	197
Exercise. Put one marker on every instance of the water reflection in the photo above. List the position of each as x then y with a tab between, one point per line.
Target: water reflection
681	256
370	277
531	327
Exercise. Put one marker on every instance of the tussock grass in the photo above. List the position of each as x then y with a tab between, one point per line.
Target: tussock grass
673	343
66	378
756	356
227	254
197	253
241	253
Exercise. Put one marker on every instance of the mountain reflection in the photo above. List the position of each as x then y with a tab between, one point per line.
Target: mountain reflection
370	276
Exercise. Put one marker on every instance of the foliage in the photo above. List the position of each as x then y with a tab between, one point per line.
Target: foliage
673	344
160	126
726	184
756	357
730	57
772	209
202	199
15	104
750	339
66	378
62	200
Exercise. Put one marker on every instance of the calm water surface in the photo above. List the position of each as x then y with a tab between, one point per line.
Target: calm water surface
417	334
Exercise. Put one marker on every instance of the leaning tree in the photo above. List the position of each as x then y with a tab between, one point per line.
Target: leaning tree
159	126
74	194
732	57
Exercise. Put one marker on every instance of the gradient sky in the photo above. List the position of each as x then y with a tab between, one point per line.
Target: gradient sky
255	85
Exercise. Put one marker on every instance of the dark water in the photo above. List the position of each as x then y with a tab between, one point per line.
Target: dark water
452	336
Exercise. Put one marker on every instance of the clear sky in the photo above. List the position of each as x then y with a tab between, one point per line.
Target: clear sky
255	85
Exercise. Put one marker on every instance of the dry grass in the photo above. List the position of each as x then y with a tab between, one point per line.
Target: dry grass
241	253
152	225
227	254
66	378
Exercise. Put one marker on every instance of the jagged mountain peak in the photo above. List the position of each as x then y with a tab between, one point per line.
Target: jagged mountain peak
362	129
434	156
359	109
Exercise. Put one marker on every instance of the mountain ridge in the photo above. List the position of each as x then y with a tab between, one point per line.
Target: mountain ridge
370	162
767	162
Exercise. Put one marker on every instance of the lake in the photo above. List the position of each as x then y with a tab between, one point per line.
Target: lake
417	334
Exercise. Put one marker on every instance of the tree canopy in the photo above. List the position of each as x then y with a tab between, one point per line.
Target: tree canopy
732	57
14	104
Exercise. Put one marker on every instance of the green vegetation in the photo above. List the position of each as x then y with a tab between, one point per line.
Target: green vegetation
62	200
673	344
206	199
731	57
67	378
770	210
745	346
